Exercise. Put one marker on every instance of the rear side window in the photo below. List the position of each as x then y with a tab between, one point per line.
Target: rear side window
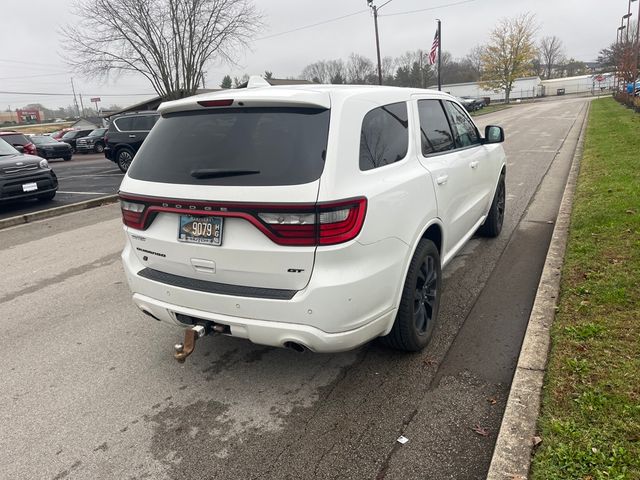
144	122
465	131
124	124
435	132
384	137
235	146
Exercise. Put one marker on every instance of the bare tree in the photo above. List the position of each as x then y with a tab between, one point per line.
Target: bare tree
316	72
509	53
359	69
336	71
551	51
169	42
474	59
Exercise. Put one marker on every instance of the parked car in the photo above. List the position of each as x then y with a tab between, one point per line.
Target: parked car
59	133
73	135
17	139
94	142
24	176
471	104
48	147
125	136
311	217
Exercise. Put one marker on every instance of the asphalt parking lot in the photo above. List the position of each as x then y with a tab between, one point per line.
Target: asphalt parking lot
89	383
82	178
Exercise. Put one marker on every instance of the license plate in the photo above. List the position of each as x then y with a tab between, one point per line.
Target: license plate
203	230
29	187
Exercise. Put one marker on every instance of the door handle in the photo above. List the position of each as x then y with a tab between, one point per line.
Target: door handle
474	164
132	136
442	179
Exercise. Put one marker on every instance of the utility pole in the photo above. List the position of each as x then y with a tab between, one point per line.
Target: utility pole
375	23
81	105
75	100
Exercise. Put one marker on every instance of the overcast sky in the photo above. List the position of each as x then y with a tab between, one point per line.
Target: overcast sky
30	56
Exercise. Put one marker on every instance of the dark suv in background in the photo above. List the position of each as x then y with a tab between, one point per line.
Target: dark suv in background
94	142
72	136
125	136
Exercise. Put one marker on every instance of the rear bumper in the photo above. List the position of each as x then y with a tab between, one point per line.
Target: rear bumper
350	299
275	334
108	153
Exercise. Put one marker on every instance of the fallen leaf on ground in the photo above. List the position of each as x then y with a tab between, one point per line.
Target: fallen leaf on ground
537	441
492	400
480	430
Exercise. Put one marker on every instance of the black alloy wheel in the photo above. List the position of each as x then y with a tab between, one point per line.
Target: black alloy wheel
124	159
492	226
417	314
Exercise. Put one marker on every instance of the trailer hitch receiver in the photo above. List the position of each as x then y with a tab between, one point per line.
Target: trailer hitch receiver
183	350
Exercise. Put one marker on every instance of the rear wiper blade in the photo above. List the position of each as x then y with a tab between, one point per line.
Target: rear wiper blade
221	172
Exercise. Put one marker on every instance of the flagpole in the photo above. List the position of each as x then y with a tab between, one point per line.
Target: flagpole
439	54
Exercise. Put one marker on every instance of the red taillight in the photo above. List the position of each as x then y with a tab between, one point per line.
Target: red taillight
216	103
133	214
285	224
322	224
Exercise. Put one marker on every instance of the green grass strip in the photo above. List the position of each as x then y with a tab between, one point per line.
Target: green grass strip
590	419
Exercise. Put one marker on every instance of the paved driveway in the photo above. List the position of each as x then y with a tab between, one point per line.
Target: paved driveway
90	389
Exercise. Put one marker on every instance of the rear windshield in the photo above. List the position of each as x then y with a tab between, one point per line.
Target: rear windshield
267	146
16	139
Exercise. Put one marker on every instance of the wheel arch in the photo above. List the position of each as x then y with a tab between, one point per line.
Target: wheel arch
433	231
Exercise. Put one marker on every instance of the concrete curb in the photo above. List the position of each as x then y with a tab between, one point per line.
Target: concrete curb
512	454
54	212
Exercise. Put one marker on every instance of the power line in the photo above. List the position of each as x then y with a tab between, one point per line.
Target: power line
427	9
335	19
35	76
71	94
21	62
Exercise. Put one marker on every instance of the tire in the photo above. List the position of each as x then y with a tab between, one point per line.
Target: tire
492	226
47	196
99	148
124	157
418	312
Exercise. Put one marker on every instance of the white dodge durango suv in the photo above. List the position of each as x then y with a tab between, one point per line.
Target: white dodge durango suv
311	216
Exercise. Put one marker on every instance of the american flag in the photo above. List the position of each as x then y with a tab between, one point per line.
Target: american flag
434	49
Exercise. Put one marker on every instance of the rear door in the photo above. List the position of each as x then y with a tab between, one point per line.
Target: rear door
450	172
252	174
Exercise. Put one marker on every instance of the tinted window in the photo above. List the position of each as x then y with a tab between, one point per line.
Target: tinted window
16	139
287	146
43	140
124	124
464	130
98	132
144	122
435	132
384	137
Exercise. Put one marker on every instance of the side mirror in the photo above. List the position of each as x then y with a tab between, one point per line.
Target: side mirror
20	148
493	134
